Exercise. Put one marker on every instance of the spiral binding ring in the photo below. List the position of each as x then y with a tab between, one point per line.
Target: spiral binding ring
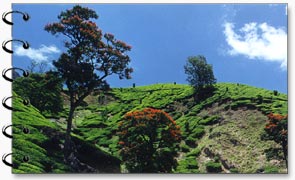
4	160
26	45
26	16
5	133
25	73
25	131
25	102
25	159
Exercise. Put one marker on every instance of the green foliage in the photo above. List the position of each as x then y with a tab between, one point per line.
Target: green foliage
234	170
97	125
213	167
164	96
33	144
191	142
188	165
149	141
43	91
89	59
195	152
198	132
273	153
184	148
271	169
200	74
277	130
209	120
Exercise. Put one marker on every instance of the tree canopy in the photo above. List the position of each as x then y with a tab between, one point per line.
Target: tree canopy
149	141
43	91
199	73
277	130
91	56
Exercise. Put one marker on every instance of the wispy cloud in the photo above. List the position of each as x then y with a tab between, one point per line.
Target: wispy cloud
41	54
229	12
257	41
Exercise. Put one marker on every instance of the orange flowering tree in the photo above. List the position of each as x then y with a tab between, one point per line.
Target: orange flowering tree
277	130
149	141
90	58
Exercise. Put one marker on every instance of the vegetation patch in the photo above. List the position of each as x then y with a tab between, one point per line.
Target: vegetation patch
213	167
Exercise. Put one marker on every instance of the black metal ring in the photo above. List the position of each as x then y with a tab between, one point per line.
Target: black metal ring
25	159
25	102
4	160
26	16
25	73
26	45
5	133
25	130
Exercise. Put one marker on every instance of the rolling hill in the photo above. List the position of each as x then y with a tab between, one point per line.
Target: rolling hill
220	134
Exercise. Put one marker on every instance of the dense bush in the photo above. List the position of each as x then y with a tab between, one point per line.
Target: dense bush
277	129
209	120
190	141
213	167
43	91
149	141
194	152
198	132
271	169
234	170
188	165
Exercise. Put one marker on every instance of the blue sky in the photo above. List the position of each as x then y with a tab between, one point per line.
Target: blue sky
245	43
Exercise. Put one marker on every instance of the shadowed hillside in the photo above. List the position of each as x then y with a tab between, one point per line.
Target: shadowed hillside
43	146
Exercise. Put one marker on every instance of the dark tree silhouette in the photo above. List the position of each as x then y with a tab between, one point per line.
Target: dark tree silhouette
43	91
200	75
89	59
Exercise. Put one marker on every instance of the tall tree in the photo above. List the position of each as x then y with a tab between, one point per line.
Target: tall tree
199	74
89	59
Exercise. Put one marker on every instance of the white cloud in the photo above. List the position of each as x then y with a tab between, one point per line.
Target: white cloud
39	55
258	41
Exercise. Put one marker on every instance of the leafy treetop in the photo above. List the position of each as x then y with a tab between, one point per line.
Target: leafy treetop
91	56
200	74
277	130
149	141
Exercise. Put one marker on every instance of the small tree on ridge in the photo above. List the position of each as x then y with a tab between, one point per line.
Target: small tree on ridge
199	74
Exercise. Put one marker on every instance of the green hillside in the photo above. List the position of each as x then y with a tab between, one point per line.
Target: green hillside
44	143
219	134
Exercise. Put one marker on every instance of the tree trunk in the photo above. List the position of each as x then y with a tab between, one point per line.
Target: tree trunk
68	142
285	151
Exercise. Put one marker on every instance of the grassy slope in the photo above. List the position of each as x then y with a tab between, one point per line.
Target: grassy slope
34	143
228	124
224	128
43	145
